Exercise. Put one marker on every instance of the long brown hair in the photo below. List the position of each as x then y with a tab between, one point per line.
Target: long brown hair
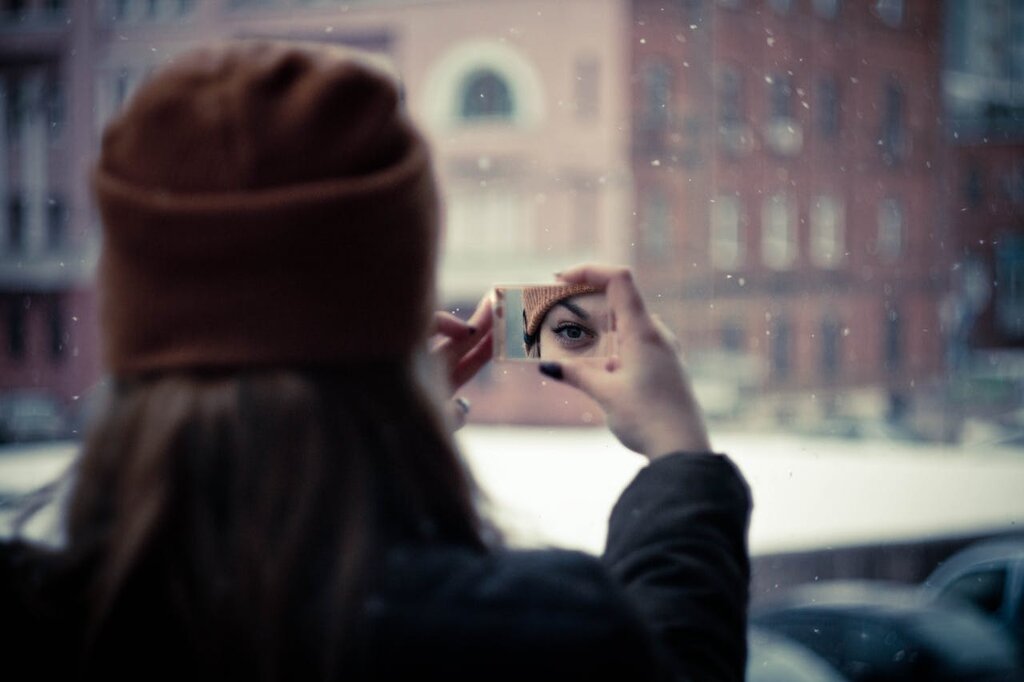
239	509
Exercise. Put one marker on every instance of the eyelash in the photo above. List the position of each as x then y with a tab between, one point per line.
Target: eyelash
588	335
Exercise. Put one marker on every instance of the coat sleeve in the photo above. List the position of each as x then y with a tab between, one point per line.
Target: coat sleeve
677	543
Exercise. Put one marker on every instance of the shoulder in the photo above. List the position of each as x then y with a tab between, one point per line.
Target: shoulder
550	613
526	580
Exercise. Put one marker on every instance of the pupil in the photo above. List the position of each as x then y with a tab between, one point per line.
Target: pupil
573	333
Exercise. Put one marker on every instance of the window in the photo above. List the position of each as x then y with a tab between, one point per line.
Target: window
890	12
15	107
828	107
55	108
974	189
15	225
1009	295
120	9
892	351
890	229
780	351
730	102
778	233
732	337
780	94
486	96
16	330
586	88
1013	183
657	223
743	157
58	334
831	335
657	95
488	221
726	241
827	227
56	223
893	136
826	9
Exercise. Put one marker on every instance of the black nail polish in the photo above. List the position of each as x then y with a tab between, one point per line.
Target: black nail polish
551	369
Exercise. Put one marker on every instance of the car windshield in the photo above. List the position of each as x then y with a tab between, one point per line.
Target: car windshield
823	200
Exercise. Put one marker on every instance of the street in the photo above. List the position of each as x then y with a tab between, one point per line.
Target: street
555	486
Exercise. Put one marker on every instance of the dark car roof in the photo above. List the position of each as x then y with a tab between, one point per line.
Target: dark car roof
997	551
959	638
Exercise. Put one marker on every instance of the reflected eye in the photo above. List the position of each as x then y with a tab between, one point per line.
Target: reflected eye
572	332
573	336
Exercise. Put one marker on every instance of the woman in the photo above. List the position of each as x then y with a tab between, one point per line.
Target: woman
565	321
271	492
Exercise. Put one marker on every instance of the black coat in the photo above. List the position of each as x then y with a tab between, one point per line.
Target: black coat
667	600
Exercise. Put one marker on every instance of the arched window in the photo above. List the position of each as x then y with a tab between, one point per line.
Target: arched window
486	95
483	82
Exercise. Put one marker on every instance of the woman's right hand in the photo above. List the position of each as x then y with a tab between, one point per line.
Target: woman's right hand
643	389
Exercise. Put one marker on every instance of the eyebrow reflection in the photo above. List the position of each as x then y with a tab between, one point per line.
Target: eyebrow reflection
574	309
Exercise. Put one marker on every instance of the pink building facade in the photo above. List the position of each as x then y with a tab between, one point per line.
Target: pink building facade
529	134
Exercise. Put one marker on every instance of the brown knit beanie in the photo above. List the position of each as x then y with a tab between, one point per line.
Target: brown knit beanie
264	203
538	300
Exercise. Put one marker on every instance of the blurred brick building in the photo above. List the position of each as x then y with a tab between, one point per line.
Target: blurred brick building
988	186
792	216
47	245
985	103
775	169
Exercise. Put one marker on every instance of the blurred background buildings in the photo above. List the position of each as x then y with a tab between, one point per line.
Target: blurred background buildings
824	198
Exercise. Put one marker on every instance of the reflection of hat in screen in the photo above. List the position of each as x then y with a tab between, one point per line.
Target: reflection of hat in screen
537	301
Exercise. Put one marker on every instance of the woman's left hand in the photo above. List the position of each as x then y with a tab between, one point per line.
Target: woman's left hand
463	348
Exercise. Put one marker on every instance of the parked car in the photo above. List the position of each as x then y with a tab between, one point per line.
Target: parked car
888	632
774	658
30	416
989	576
